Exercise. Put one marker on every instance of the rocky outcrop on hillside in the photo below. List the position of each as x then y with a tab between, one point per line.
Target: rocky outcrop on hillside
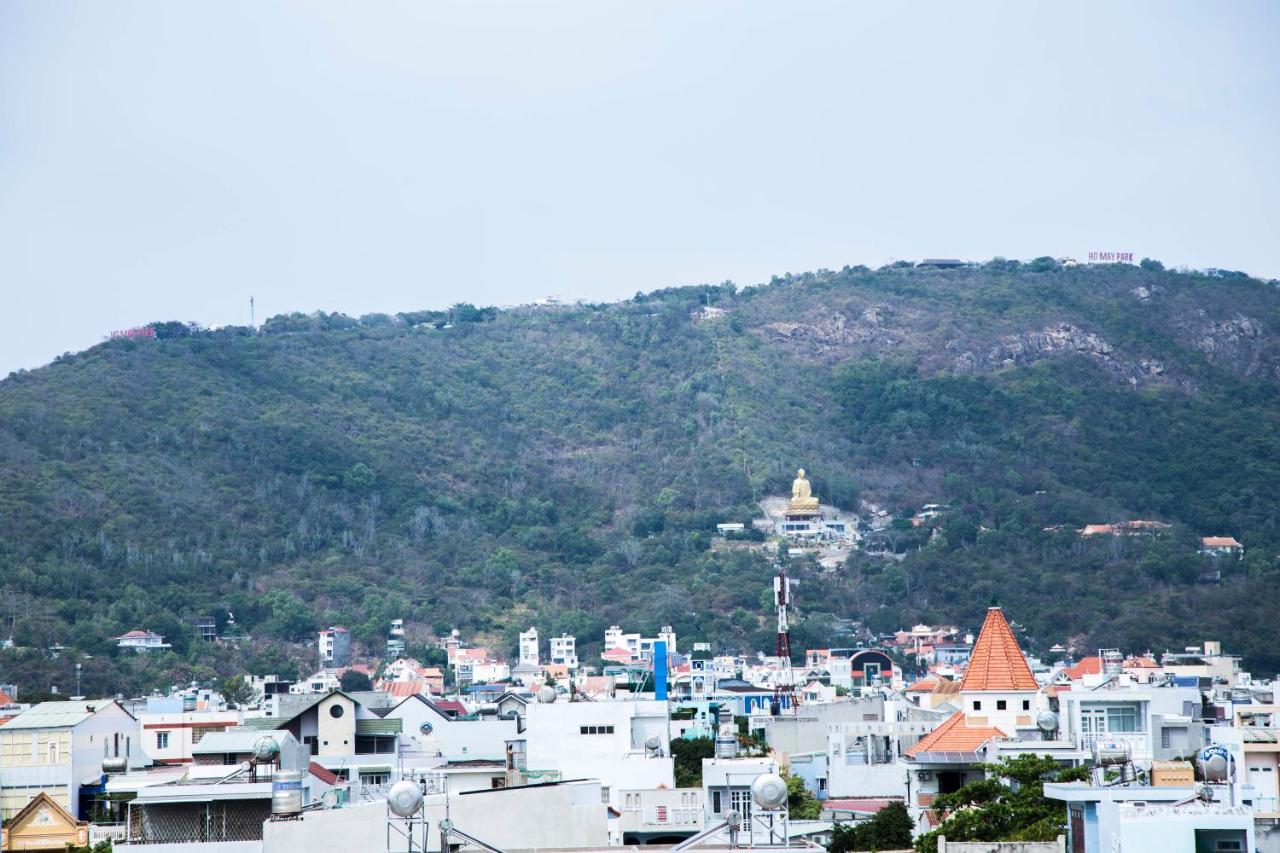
1061	339
1239	342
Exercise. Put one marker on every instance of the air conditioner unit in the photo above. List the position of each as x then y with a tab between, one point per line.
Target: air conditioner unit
924	775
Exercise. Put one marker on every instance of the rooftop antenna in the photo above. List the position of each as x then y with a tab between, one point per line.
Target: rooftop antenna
252	321
784	685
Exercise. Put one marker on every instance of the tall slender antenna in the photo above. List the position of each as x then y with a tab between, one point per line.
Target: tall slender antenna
252	321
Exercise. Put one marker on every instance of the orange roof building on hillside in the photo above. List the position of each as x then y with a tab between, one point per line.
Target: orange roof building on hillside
955	735
997	662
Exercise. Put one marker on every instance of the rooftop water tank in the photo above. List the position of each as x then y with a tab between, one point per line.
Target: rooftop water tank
769	791
286	793
404	798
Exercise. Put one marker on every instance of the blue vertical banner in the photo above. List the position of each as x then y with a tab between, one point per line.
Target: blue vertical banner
660	670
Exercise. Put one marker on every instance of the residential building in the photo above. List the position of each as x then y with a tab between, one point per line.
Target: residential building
564	650
515	818
335	647
636	647
1167	819
433	730
613	741
529	648
43	824
998	696
661	815
142	641
1221	546
726	786
59	748
395	640
169	730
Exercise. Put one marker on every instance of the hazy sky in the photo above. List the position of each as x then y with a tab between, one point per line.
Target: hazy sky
166	160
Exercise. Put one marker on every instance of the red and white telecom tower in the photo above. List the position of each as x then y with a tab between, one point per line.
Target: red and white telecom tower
785	685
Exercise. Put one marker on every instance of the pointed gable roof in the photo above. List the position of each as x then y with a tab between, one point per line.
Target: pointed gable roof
955	735
43	824
996	662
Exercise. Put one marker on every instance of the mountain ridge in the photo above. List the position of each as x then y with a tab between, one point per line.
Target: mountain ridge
567	464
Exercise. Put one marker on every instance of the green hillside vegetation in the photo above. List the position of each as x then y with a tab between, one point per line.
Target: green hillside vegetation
566	467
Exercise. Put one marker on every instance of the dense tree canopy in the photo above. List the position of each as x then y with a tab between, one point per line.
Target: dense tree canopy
566	466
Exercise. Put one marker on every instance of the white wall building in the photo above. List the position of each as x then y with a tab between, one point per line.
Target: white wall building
564	650
169	736
600	740
529	648
57	747
428	731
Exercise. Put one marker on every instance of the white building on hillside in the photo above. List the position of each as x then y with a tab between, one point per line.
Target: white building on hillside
564	651
529	648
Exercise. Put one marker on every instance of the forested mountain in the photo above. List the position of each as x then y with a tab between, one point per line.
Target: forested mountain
565	466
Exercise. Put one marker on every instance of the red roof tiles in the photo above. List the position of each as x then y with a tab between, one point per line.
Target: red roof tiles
996	662
955	735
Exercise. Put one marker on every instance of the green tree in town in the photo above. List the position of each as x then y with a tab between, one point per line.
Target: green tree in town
1009	805
801	803
238	692
353	680
889	829
688	754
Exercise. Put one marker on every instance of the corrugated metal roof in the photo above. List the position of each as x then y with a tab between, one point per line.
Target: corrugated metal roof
234	741
263	724
57	715
380	727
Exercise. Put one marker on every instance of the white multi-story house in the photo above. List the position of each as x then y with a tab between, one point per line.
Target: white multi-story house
624	744
168	731
637	646
142	641
321	682
529	648
564	650
335	647
726	785
58	748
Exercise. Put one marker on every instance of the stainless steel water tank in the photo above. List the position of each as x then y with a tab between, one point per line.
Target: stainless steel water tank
286	792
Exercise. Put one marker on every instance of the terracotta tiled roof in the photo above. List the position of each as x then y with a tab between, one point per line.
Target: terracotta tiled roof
1220	542
997	662
924	685
1091	665
955	735
326	776
5	698
1140	662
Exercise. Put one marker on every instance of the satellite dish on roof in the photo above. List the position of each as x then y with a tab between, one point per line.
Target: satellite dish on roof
769	792
330	799
653	743
1047	721
404	798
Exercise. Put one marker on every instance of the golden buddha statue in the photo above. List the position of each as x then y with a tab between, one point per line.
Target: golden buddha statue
803	501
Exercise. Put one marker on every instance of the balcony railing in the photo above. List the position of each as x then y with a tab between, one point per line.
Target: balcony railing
1139	742
113	832
1266	807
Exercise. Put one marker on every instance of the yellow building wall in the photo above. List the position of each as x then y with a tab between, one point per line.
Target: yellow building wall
15	799
35	748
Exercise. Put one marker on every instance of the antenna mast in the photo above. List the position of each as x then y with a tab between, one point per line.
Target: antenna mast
784	685
252	321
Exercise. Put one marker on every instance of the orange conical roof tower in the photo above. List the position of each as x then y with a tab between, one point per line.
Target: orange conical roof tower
996	662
